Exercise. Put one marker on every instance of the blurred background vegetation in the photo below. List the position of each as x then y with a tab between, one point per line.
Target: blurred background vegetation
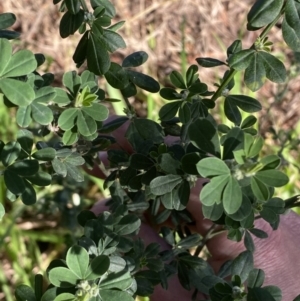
173	33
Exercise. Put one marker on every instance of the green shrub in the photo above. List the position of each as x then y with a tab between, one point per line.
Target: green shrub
63	128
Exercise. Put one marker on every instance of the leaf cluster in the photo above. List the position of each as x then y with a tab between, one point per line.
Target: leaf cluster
153	180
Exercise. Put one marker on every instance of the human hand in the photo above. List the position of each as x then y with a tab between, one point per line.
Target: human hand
277	255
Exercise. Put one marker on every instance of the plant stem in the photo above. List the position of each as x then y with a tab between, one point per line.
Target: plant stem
225	82
232	72
206	238
130	110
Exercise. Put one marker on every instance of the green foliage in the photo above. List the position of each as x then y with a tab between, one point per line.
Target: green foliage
64	131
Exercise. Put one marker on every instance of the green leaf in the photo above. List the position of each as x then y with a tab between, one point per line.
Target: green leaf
41	113
241	60
183	192
177	80
86	124
168	164
62	97
213	212
135	59
244	211
248	242
29	195
75	159
23	116
208	62
274	178
6	53
264	12
112	40
25	293
212	192
169	110
73	6
98	59
274	291
291	35
292	9
143	81
255	73
7	20
41	178
248	122
13	182
19	93
10	152
116	76
245	103
203	135
45	95
25	167
164	184
232	112
72	82
116	26
78	260
188	163
171	200
67	118
74	173
9	34
62	277
127	225
25	138
70	137
276	205
109	8
45	154
129	90
232	196
259	233
256	278
235	47
184	113
21	63
234	141
190	241
97	111
297	298
259	189
242	265
270	162
275	70
80	53
198	88
259	294
211	167
114	295
120	280
191	74
149	130
255	147
65	297
70	23
139	161
99	265
170	94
